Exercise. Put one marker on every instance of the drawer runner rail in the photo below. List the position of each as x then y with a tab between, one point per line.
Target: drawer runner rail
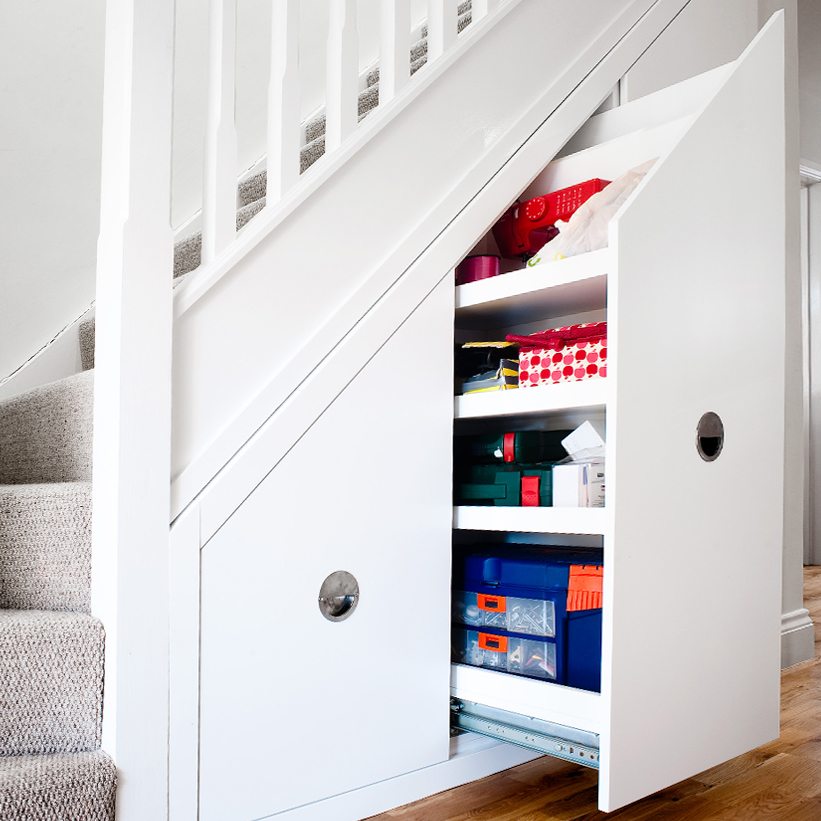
579	746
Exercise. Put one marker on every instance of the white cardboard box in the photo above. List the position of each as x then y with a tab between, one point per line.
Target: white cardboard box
578	484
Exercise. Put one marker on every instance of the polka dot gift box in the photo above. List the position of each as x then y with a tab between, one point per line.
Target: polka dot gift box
568	354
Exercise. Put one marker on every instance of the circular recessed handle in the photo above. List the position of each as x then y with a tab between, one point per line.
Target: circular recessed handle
709	436
338	596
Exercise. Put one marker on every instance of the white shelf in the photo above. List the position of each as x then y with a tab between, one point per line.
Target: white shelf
540	699
552	289
590	394
577	520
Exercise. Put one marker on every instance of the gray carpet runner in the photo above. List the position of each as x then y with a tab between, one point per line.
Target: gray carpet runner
51	648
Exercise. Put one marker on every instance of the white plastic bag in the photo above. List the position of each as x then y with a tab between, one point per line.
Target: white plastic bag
586	230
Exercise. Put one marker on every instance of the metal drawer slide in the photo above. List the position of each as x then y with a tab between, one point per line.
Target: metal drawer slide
579	746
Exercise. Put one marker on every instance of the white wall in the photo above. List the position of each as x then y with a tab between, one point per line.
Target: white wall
705	35
51	65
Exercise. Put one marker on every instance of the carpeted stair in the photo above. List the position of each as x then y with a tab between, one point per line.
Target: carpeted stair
51	648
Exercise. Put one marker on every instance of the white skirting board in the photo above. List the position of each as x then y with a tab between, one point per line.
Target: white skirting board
797	638
471	757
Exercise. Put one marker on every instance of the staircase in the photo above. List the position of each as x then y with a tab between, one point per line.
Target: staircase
51	762
51	648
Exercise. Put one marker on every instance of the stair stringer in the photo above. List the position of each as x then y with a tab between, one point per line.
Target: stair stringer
308	296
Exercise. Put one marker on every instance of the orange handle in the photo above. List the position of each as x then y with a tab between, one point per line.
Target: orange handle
493	604
498	644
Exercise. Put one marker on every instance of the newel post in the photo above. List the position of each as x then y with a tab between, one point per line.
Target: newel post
132	402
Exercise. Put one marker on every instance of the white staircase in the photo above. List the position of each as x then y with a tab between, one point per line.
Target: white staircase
284	353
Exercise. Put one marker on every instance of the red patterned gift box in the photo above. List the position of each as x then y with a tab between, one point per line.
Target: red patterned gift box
568	354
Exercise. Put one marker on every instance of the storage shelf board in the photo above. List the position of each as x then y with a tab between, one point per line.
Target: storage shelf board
553	289
591	394
581	520
580	709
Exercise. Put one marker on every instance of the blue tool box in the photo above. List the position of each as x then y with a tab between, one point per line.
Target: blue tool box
531	611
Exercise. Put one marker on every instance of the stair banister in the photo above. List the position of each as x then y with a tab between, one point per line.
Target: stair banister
219	203
394	70
342	73
132	402
283	101
442	20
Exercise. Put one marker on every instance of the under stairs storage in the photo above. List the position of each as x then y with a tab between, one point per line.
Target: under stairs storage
692	288
690	647
265	619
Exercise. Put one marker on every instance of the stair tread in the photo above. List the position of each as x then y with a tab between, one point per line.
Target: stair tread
58	787
51	680
45	546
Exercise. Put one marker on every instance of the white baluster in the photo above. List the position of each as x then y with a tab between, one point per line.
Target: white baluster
283	100
479	10
394	63
441	27
343	74
219	201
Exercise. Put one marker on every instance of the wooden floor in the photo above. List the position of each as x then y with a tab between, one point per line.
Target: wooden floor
779	781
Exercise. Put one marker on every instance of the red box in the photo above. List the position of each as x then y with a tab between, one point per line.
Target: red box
570	354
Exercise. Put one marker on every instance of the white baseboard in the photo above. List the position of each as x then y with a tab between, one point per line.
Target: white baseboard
472	757
797	638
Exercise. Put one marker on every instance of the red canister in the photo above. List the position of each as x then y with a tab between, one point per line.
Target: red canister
471	269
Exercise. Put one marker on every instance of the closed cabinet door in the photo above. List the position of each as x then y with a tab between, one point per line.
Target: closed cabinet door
303	699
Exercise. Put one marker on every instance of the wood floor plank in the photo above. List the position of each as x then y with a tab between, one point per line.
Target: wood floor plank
780	781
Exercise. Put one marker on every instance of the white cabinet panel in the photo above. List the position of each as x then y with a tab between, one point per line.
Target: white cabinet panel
696	324
295	708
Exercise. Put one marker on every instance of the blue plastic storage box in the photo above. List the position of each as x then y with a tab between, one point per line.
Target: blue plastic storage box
551	595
